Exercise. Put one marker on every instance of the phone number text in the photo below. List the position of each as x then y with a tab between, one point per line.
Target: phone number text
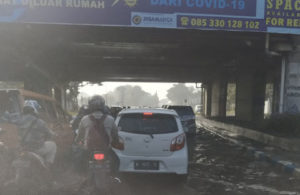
217	23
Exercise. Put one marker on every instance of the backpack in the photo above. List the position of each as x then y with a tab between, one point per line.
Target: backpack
97	137
33	137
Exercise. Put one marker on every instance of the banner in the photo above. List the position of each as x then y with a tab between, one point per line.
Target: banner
292	92
275	16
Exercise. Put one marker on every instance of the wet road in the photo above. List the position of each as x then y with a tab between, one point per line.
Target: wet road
217	167
221	167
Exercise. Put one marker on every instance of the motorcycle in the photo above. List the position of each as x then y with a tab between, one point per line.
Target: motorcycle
99	171
100	178
24	172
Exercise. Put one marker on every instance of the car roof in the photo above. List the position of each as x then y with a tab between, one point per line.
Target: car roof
9	89
29	94
175	106
152	110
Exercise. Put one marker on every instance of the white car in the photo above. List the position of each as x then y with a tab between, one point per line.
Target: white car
154	142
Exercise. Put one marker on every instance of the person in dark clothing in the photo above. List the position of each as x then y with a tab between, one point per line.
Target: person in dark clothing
83	111
34	134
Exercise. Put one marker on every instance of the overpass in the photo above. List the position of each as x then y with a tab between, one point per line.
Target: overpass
249	43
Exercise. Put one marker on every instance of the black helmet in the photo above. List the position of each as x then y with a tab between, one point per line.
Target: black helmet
28	110
97	102
83	110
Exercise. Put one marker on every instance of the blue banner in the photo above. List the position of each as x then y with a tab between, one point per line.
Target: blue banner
276	16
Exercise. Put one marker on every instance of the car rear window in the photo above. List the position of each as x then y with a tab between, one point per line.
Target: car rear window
182	111
148	124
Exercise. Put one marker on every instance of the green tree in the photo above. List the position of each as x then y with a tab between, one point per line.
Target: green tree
180	94
72	89
131	96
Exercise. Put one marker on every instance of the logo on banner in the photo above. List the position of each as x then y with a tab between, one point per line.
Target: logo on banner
154	20
136	19
131	3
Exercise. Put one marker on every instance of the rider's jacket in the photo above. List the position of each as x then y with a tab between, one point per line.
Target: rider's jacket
86	125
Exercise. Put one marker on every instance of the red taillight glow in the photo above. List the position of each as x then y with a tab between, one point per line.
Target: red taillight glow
99	156
178	143
148	113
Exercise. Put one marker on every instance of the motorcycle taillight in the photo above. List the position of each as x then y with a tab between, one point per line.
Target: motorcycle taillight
99	156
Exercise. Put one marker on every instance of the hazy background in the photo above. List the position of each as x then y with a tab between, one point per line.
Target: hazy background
142	94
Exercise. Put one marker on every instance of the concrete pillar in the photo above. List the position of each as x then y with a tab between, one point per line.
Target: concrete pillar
244	95
223	98
259	89
250	96
57	94
219	91
64	98
276	97
60	96
215	98
203	100
207	106
291	84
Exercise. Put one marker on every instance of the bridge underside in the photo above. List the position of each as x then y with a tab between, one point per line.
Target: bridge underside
47	56
80	53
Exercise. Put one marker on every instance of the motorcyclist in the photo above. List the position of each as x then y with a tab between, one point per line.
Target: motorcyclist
98	111
34	134
83	111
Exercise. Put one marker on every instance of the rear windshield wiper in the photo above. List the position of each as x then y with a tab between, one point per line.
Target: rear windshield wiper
151	135
147	133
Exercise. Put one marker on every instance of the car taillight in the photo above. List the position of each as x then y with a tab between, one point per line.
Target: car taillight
177	143
99	156
148	113
119	145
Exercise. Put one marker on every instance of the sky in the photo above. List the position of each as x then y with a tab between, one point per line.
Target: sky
152	88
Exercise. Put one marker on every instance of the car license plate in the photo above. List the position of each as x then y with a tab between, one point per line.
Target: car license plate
146	165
